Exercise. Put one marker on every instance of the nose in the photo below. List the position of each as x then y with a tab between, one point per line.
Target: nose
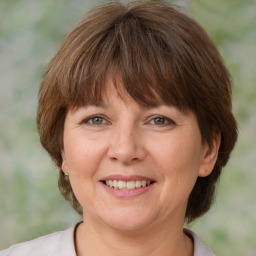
126	145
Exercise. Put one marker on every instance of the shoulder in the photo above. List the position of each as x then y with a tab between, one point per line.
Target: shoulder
58	243
199	248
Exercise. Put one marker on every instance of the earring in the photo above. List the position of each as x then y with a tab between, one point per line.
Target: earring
65	173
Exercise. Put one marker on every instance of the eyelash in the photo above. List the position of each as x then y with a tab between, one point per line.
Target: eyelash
167	121
89	120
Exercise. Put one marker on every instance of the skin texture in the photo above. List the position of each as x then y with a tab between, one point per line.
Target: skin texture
161	143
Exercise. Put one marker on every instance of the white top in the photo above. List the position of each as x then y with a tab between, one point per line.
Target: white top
62	244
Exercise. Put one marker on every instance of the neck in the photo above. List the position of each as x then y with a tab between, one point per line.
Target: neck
94	239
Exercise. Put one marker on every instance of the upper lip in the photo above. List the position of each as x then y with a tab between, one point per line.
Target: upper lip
126	178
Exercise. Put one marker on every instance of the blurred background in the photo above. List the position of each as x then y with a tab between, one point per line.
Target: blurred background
30	203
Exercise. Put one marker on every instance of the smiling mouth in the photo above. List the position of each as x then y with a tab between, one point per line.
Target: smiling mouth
124	185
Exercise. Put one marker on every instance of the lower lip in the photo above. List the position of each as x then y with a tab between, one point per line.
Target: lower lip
127	193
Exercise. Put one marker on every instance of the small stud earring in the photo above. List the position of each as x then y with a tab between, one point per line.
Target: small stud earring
66	174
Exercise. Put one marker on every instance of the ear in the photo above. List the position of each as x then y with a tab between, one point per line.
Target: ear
210	155
64	162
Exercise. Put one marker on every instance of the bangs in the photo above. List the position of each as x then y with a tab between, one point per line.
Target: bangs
133	57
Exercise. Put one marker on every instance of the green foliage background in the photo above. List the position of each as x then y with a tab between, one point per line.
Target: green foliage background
30	204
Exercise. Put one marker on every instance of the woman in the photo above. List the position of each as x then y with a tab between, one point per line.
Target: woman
135	110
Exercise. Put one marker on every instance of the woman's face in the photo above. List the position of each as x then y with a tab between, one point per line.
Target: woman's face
152	157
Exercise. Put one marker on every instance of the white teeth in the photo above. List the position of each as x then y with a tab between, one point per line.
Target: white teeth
143	183
138	183
115	183
130	185
120	184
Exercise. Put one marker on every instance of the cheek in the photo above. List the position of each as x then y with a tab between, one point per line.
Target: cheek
82	156
176	151
82	159
178	160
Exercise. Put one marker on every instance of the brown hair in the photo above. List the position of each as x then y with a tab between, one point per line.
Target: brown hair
159	53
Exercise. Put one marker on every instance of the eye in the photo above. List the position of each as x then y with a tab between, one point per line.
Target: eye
95	120
161	121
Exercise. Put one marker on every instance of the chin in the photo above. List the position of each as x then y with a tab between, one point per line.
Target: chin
128	226
128	220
